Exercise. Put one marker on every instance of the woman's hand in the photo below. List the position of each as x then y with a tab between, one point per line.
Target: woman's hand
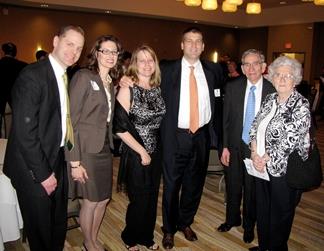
79	174
126	81
145	157
259	162
266	157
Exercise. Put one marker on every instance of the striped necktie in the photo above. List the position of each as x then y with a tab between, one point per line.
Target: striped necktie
69	139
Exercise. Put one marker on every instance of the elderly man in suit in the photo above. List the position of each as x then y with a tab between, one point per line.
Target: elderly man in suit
190	88
41	128
236	127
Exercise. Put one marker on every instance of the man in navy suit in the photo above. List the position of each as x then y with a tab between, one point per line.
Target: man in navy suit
238	182
186	152
34	158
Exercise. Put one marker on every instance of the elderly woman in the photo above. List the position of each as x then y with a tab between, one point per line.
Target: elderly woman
281	126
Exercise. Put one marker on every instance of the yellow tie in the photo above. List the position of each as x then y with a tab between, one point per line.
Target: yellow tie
69	139
194	110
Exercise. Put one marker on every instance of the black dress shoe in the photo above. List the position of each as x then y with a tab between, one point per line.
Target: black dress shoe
189	234
254	249
248	236
225	227
168	241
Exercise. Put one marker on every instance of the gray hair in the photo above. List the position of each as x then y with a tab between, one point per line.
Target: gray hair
255	52
295	66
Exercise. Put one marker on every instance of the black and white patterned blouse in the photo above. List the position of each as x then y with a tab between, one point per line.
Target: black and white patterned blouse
146	114
287	130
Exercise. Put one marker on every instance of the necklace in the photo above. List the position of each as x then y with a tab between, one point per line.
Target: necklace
106	80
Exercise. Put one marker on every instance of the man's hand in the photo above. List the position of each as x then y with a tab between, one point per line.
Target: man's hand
126	81
50	184
225	157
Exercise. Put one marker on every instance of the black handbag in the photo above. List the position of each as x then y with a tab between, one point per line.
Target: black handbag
305	175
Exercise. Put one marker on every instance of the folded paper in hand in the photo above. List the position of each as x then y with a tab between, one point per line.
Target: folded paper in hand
252	171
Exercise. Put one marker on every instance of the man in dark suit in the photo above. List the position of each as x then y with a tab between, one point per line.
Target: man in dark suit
34	158
186	148
235	143
9	70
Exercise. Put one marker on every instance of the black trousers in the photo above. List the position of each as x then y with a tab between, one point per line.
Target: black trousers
240	184
143	191
187	174
45	217
276	203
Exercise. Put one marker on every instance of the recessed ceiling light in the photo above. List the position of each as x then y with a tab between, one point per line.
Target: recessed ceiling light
236	27
44	5
307	1
196	22
282	2
108	11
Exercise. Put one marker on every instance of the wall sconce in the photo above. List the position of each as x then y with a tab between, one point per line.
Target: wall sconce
215	57
253	8
39	47
209	4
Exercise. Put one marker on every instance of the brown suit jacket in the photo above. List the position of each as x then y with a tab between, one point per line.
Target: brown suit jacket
89	112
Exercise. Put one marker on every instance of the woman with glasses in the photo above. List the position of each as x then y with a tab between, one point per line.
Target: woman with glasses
138	115
90	161
281	126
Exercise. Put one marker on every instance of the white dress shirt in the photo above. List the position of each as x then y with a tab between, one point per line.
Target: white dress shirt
258	95
203	95
59	71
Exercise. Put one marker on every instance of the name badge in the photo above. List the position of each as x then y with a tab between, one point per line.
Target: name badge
217	92
94	85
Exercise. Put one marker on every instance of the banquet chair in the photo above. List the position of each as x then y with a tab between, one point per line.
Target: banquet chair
215	167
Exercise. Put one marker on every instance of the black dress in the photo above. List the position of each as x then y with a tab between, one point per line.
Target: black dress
141	182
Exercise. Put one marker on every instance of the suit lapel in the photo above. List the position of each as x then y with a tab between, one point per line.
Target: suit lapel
240	98
176	85
100	84
210	82
266	89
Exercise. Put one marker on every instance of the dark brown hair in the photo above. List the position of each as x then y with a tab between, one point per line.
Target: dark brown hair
116	71
192	29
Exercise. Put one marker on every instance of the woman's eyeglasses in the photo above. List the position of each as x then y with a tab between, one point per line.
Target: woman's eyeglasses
109	52
283	76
